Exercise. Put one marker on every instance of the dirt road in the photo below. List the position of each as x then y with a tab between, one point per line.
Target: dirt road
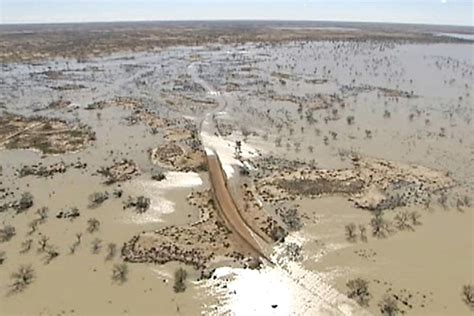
229	211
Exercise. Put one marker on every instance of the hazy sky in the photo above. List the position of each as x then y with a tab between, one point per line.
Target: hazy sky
455	12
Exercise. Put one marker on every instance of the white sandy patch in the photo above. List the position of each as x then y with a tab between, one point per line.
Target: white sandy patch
176	180
156	191
225	149
286	288
162	274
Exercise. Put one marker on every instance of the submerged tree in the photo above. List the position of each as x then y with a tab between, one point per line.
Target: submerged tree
7	233
403	221
362	232
468	295
26	246
120	273
42	215
25	202
33	226
97	198
389	306
350	119
51	253
380	227
351	232
443	200
96	245
93	225
180	276
42	243
111	251
359	291
21	279
415	218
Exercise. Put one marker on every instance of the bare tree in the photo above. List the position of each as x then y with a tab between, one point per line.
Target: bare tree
111	251
7	233
462	202
3	257
351	232
363	233
51	253
380	227
120	273
32	227
443	200
42	214
389	306
42	243
96	245
403	221
468	295
350	119
25	202
359	291
97	198
22	278
26	246
415	218
180	276
93	225
326	140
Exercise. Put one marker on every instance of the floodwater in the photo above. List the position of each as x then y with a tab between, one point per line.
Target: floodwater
433	127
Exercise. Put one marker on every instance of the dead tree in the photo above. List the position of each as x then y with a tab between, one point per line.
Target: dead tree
351	232
359	291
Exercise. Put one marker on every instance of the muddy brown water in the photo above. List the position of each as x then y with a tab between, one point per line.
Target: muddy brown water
431	263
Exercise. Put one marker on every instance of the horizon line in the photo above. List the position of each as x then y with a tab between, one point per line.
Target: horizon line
229	20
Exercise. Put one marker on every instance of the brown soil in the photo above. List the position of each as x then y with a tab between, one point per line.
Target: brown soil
82	41
50	136
372	184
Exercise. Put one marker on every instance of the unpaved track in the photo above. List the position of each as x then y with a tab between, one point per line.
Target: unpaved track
226	206
228	210
321	297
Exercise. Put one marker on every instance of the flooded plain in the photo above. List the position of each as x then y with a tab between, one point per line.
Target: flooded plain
270	109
